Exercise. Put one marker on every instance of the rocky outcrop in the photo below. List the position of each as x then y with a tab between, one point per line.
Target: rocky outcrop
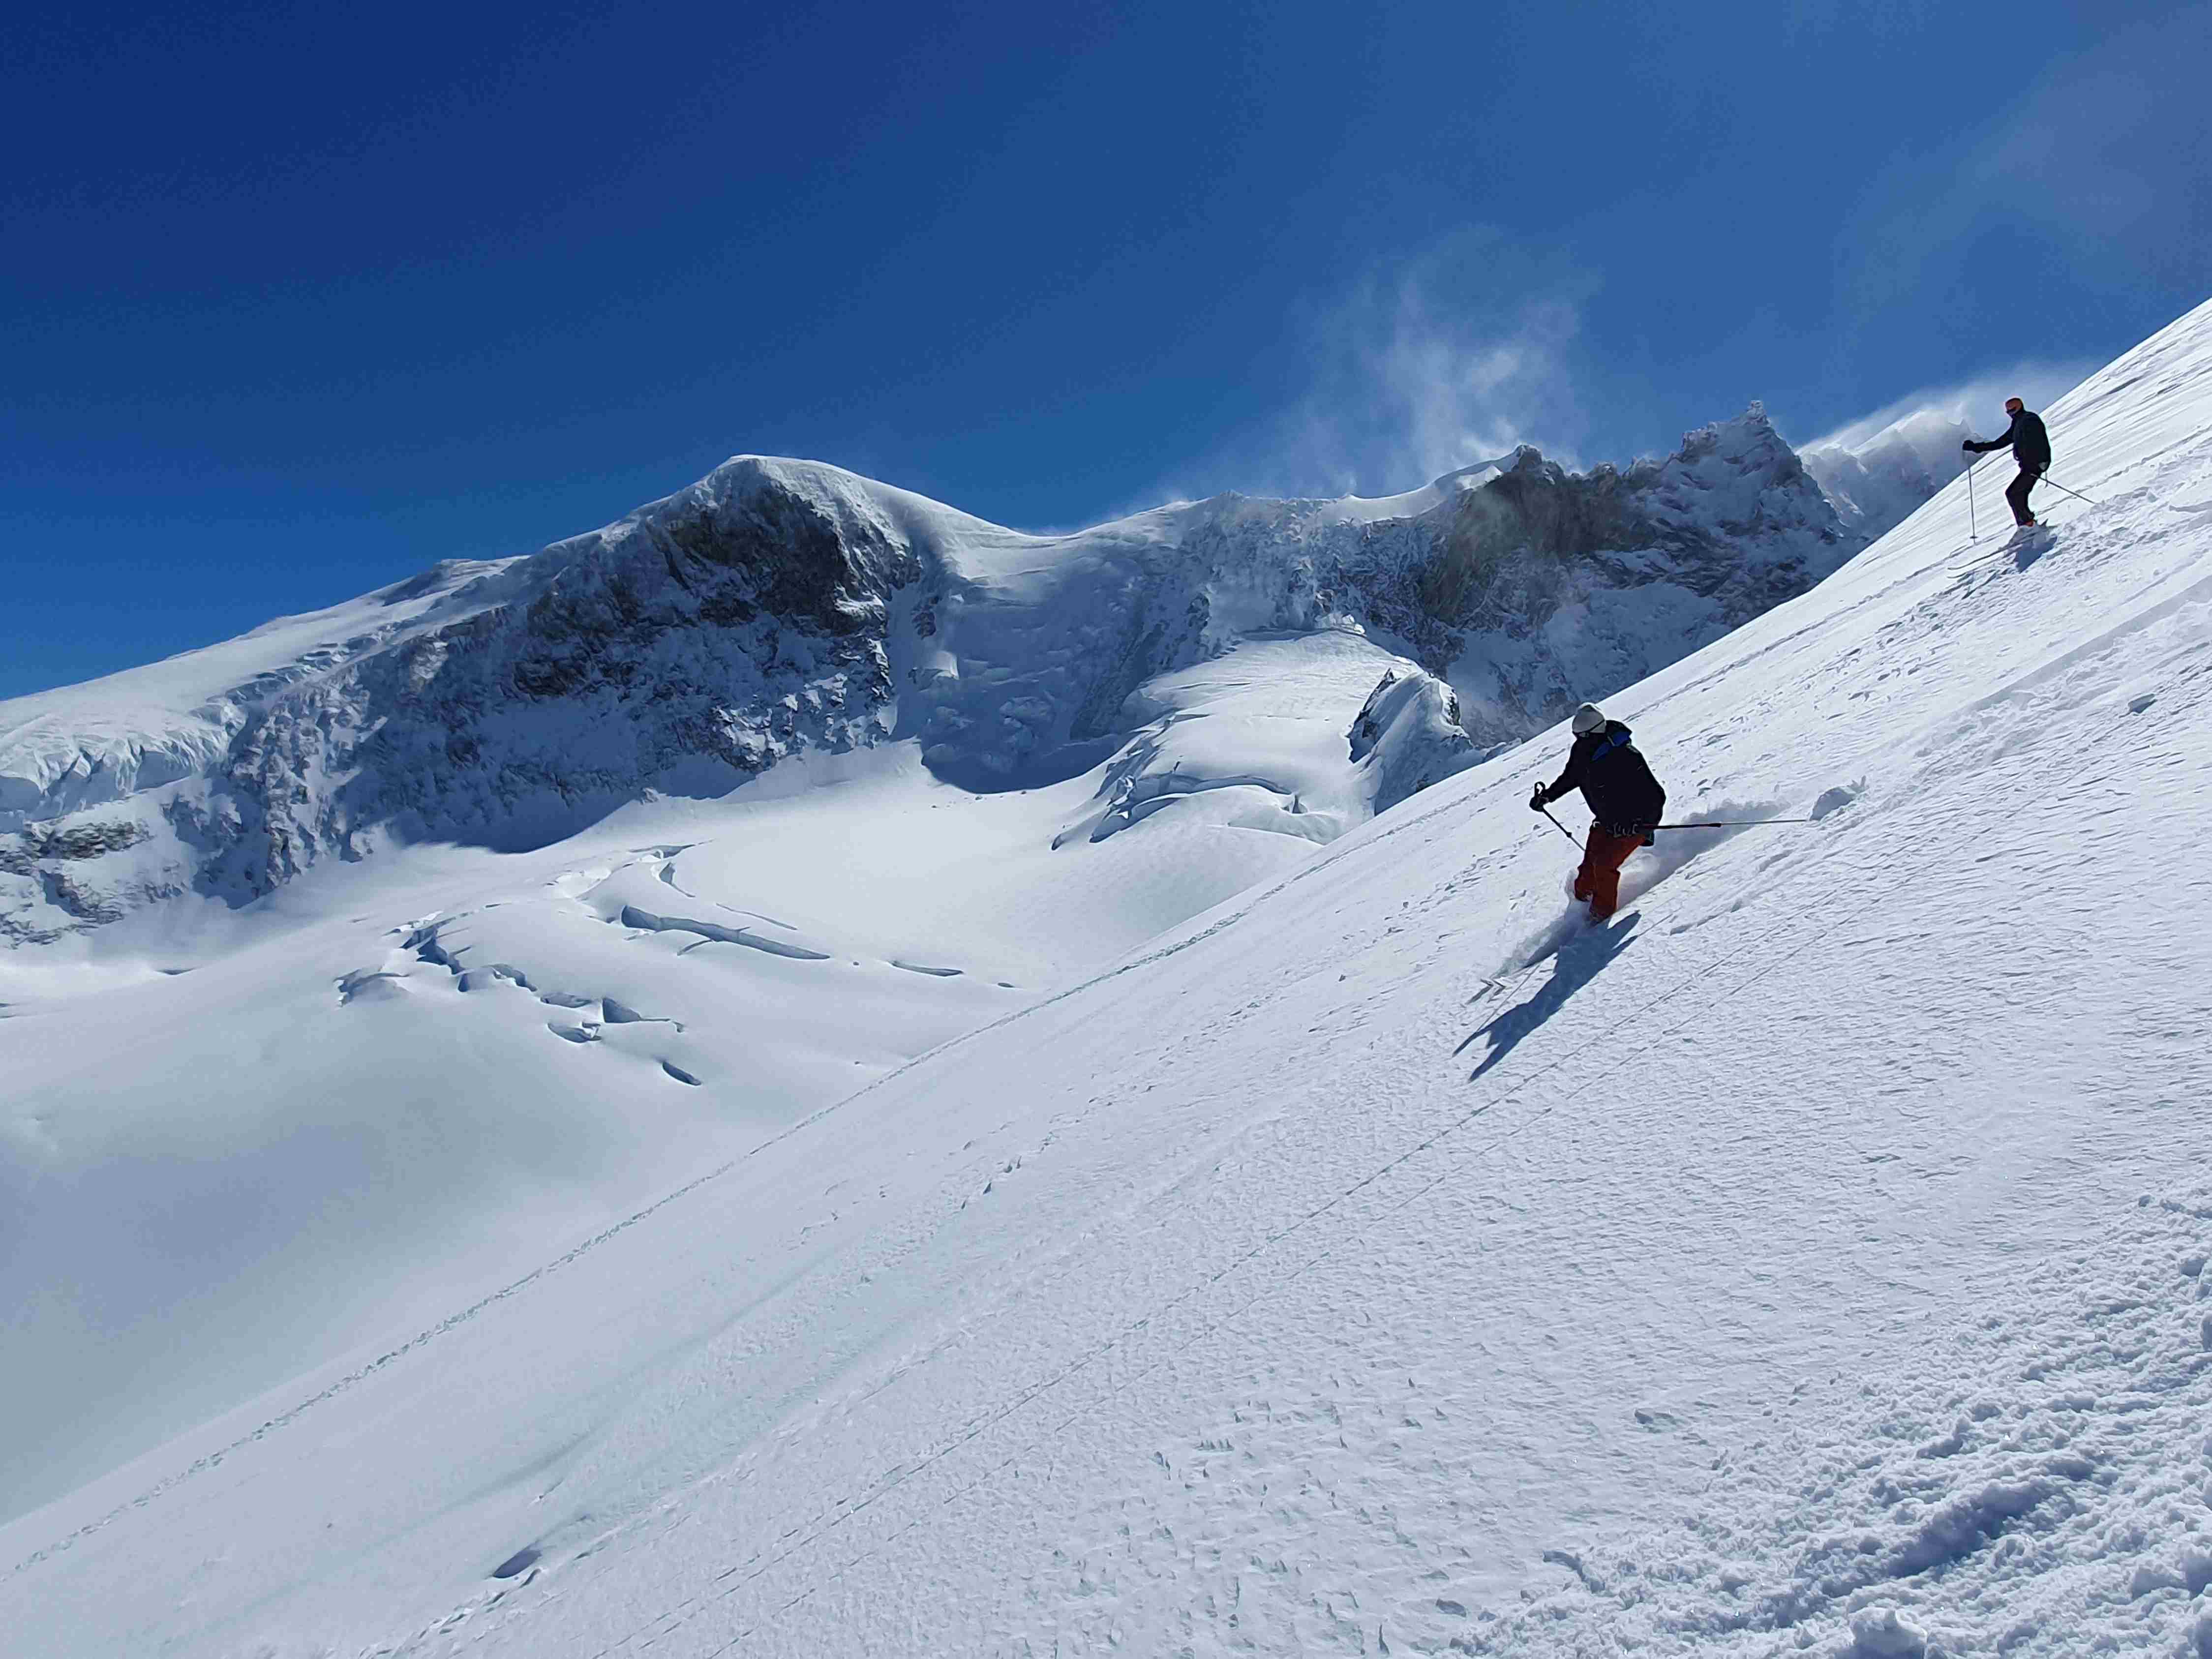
1563	587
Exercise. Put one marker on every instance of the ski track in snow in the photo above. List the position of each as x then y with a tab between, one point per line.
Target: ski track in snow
850	1508
1819	1267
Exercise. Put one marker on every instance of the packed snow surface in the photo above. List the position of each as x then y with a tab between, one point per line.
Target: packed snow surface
1810	1258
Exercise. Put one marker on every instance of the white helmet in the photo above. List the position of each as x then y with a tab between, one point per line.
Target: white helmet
1588	718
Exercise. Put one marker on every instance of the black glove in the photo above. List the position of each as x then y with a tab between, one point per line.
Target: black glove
1650	840
1969	445
1536	800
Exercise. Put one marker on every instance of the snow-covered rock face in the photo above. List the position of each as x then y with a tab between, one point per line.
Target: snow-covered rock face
1555	588
778	608
1408	736
691	646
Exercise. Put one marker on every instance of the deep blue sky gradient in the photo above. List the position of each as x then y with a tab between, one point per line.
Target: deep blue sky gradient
295	301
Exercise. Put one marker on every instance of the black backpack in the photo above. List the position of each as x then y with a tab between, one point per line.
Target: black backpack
1622	793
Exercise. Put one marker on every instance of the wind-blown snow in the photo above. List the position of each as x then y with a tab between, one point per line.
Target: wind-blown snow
1810	1259
1880	480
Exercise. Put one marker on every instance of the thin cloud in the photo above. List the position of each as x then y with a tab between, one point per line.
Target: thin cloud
1453	356
2083	155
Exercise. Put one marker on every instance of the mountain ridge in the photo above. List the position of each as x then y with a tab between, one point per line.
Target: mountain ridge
780	606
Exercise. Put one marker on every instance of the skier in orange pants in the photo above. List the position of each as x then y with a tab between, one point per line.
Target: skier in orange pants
1625	802
1599	878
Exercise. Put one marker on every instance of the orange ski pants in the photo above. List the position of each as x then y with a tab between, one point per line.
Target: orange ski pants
1599	880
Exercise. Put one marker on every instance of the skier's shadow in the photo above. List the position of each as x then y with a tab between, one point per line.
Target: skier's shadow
1581	962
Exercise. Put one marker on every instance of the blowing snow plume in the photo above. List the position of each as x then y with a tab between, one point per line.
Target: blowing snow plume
1424	367
1879	469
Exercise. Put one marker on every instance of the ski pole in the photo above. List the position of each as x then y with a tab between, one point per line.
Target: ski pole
2055	485
1973	533
1557	825
1732	824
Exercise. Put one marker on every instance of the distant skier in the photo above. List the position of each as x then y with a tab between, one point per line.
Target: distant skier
2031	447
1626	803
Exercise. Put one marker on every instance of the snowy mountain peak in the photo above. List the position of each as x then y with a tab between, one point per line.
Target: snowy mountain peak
780	607
1414	504
1748	441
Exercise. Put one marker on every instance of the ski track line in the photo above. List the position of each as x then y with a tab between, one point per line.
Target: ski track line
901	1473
976	1426
1230	1317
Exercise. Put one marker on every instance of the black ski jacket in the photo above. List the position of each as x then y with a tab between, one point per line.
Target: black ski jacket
2031	444
1619	788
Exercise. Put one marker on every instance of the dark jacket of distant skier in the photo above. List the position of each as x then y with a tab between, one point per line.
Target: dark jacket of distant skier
2031	447
1625	804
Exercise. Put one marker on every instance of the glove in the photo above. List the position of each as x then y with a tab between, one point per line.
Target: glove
1967	445
1650	840
1536	800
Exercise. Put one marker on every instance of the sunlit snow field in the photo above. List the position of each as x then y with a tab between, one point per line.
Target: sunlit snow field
1810	1259
407	1081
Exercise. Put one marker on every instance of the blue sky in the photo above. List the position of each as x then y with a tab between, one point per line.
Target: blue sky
295	301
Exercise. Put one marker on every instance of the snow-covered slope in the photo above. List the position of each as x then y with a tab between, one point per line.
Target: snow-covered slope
782	608
241	1139
737	723
1808	1261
